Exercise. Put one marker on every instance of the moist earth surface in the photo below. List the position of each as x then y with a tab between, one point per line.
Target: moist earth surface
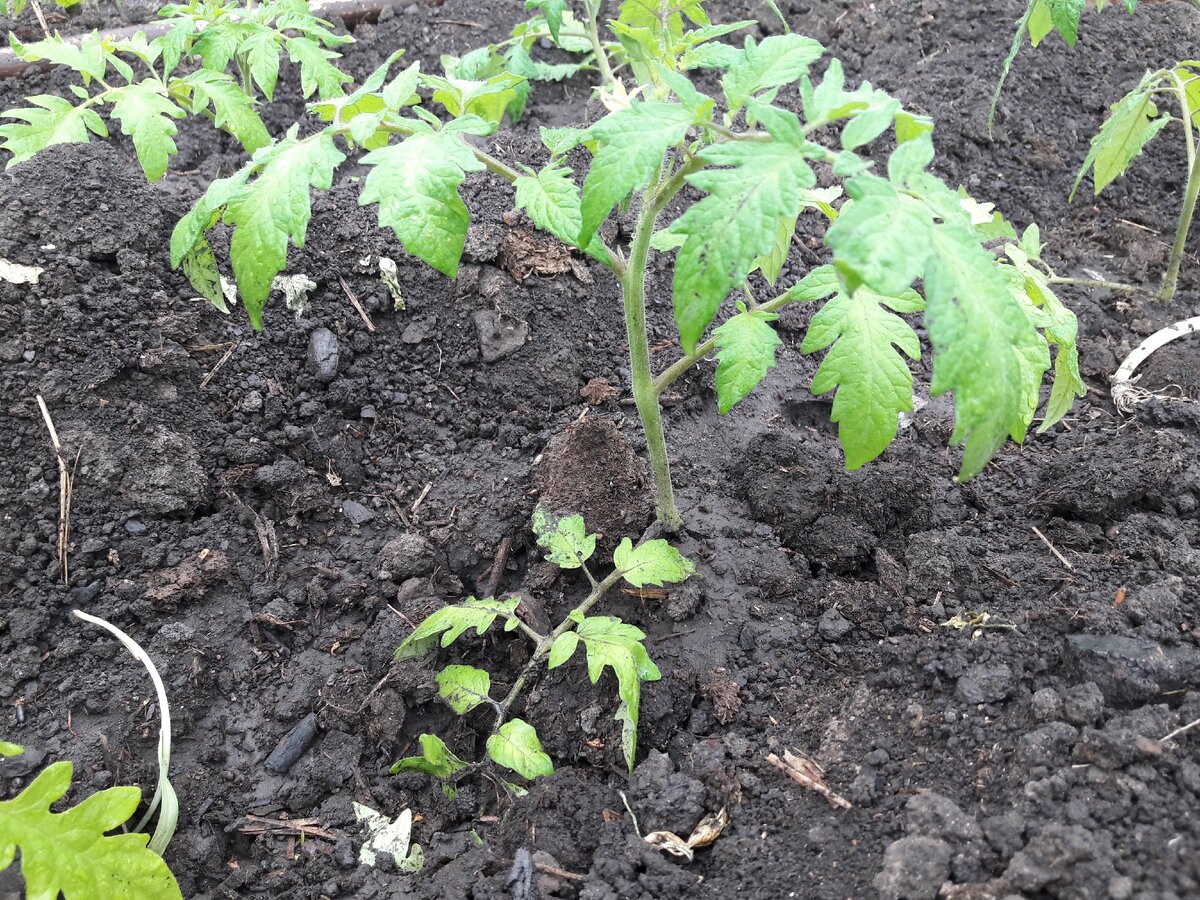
269	515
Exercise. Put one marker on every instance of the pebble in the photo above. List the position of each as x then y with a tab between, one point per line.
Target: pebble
322	355
914	868
406	556
356	512
985	684
1129	671
134	527
832	625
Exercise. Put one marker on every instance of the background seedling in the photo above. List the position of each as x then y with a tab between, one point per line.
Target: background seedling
606	640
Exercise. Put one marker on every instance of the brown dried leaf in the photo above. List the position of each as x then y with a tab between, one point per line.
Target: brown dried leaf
709	829
671	843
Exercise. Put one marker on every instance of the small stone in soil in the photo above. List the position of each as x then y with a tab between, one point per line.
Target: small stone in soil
499	336
356	512
323	354
134	527
985	684
913	869
833	626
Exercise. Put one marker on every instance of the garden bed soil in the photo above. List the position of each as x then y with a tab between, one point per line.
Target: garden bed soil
269	522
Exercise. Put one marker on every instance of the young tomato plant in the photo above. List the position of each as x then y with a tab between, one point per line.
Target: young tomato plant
1133	122
71	853
208	40
742	169
607	643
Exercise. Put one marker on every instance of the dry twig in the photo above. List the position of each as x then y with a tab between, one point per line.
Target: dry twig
357	306
1045	540
807	773
66	484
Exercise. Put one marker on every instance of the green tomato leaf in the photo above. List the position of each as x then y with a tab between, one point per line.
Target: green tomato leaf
865	367
273	209
612	643
50	120
562	649
818	284
199	264
416	184
551	198
233	111
745	353
553	11
566	541
881	239
190	230
87	58
630	145
1065	16
463	687
651	562
1133	123
145	115
70	853
317	74
445	626
435	759
516	746
778	60
9	749
728	230
985	349
262	52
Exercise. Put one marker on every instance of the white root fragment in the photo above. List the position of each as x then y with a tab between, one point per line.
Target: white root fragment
1125	392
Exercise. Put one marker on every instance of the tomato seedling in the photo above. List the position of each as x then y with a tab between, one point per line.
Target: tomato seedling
607	643
743	171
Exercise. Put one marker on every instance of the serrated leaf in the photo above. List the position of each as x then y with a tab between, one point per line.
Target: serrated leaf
1065	16
463	687
881	240
561	140
985	350
630	145
416	184
776	61
435	759
200	267
553	11
552	200
50	120
728	230
145	113
516	746
70	853
565	541
232	109
190	229
651	562
745	353
562	649
1133	122
818	284
609	642
87	57
274	209
174	42
262	53
865	367
317	74
446	625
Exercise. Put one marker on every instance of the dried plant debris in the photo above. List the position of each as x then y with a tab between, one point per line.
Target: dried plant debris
807	773
706	832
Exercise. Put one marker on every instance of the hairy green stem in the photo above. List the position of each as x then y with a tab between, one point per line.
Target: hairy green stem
1101	285
645	397
542	650
593	34
1171	279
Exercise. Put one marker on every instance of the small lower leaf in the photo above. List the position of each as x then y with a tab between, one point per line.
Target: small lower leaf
463	687
516	746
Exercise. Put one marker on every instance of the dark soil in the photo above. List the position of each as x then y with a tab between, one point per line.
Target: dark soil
269	522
